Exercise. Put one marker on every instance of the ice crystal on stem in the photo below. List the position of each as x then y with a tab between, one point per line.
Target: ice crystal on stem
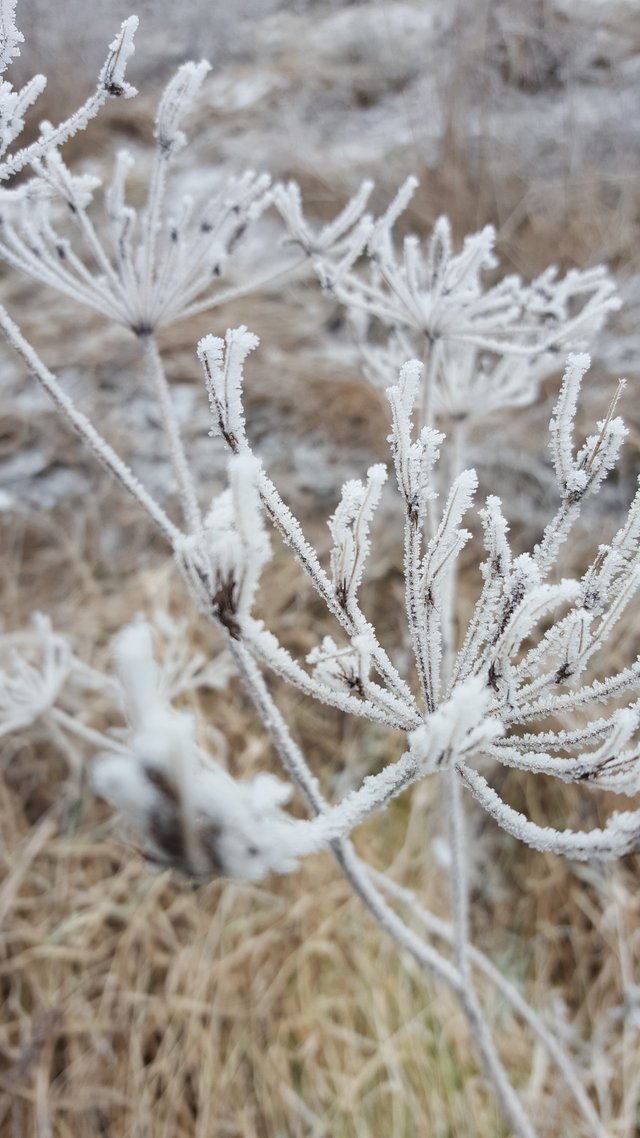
13	105
223	563
334	247
223	361
10	37
349	528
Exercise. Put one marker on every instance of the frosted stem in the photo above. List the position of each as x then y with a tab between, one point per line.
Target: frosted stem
505	1094
179	462
100	447
449	588
494	1068
442	929
415	609
151	222
458	873
72	724
223	296
352	619
392	713
356	873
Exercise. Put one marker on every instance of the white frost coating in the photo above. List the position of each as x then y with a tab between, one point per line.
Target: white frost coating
333	248
28	689
340	676
10	37
451	537
486	347
14	106
177	101
349	529
153	265
600	451
223	563
223	363
188	811
111	83
414	461
620	836
112	76
561	425
612	766
138	672
533	639
244	473
459	727
345	669
380	241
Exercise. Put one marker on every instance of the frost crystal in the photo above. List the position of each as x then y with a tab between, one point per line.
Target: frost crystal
10	37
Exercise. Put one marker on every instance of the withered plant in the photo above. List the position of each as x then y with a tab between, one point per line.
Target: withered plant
452	346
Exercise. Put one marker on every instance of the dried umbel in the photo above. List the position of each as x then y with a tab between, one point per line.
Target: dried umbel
486	346
495	691
143	269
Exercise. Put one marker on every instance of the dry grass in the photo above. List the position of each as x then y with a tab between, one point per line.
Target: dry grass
135	1005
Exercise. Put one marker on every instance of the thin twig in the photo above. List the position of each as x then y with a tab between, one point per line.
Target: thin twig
85	428
179	461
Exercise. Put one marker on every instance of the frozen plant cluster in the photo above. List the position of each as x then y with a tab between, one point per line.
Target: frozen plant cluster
459	346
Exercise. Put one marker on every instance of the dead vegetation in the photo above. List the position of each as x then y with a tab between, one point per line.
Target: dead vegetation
136	1005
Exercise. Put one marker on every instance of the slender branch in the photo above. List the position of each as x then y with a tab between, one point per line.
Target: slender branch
460	897
442	929
620	836
151	223
223	296
96	738
111	84
81	217
458	873
179	461
357	875
415	610
296	766
266	648
352	620
449	587
85	428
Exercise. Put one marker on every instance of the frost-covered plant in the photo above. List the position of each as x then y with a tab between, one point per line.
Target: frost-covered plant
485	346
153	267
15	104
30	688
530	651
